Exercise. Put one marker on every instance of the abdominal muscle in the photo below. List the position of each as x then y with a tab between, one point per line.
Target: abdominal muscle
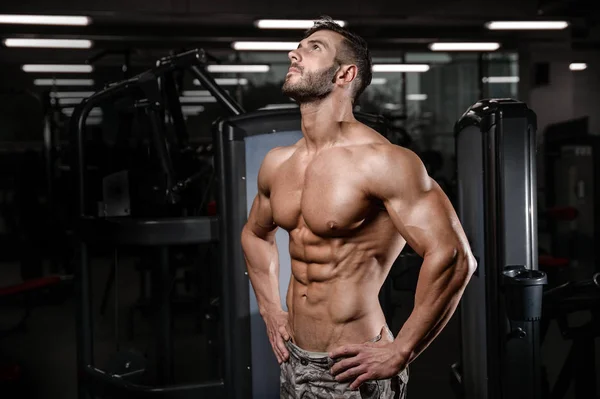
335	301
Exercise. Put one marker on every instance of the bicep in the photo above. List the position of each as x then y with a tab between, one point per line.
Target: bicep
260	219
417	205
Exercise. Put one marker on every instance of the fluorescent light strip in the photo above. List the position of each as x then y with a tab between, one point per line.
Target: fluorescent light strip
194	93
416	97
577	66
264	46
93	111
288	23
280	106
71	94
526	25
65	20
191	109
466	46
378	81
427	58
238	68
193	100
501	79
58	68
400	68
48	43
70	101
96	120
226	82
63	82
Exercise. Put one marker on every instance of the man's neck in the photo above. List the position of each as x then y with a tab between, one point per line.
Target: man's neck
321	122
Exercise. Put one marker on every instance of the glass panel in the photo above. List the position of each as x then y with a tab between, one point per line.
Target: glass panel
503	75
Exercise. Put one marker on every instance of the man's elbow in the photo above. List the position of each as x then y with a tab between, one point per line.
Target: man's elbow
465	265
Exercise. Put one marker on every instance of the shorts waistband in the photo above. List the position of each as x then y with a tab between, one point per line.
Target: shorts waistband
321	358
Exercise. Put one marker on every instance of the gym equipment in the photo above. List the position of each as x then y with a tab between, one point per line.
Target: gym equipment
241	142
579	368
572	181
502	304
129	229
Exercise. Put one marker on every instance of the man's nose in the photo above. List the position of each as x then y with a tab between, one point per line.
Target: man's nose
294	55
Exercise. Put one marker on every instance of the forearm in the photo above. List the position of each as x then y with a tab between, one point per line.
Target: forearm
262	262
441	283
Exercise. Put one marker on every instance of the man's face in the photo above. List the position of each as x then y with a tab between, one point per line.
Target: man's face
313	67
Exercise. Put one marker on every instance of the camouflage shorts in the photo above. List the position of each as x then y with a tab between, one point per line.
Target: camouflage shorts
305	375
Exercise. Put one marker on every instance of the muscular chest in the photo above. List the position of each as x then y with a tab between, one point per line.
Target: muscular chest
327	196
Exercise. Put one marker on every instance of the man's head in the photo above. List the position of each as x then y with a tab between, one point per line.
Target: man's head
328	56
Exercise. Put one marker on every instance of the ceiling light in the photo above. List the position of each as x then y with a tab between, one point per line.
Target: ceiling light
193	93
93	112
66	20
58	68
237	68
226	81
427	58
192	100
280	106
96	120
400	68
378	81
71	94
577	66
416	97
265	46
191	109
70	101
526	25
467	46
48	43
289	23
501	79
63	82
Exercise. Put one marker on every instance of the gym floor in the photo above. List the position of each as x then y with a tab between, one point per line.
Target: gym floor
46	350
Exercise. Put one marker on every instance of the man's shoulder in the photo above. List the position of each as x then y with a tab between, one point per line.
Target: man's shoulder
383	162
272	161
277	155
384	154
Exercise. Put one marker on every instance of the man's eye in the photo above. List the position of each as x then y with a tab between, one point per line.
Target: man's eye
316	46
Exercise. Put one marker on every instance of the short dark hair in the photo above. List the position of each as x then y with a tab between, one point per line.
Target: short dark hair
355	51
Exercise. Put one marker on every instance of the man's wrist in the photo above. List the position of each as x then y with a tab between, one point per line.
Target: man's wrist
403	353
269	309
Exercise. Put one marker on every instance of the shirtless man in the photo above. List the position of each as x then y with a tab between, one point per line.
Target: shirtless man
350	201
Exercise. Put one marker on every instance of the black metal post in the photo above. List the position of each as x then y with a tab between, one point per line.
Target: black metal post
161	287
84	320
82	276
492	224
221	95
235	311
158	139
175	110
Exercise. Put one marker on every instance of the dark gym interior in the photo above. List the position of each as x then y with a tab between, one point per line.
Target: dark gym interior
126	130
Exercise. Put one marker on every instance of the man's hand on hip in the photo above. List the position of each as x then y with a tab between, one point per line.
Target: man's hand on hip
366	362
279	330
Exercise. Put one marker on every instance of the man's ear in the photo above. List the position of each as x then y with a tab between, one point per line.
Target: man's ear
346	74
